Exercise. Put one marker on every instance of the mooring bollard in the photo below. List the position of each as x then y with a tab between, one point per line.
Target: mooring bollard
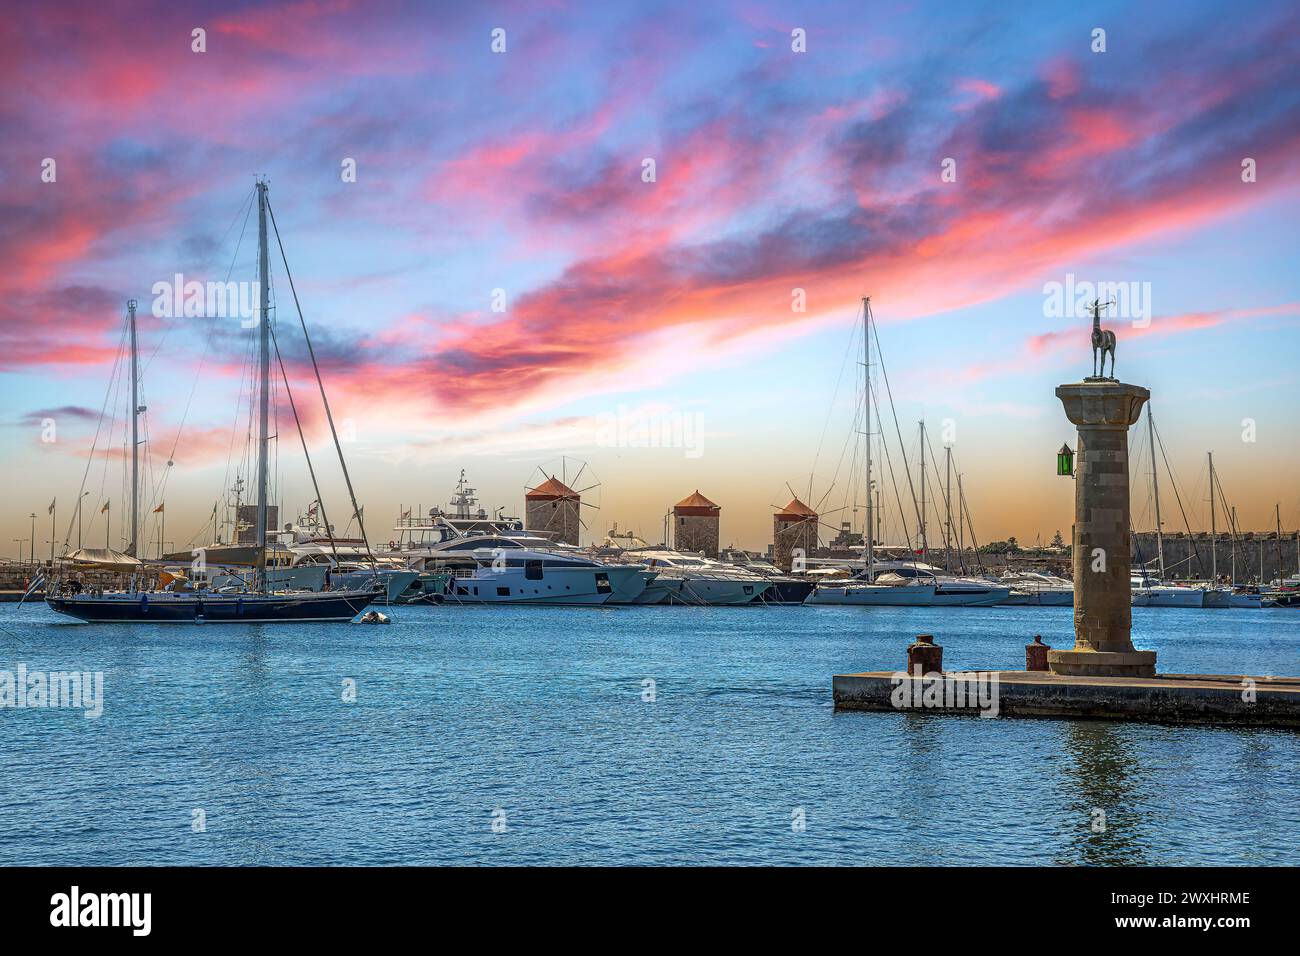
924	656
1036	654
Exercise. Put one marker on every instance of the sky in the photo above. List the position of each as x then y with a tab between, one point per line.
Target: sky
524	237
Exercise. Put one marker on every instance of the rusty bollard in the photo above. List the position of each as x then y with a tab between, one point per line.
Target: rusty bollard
924	656
1036	654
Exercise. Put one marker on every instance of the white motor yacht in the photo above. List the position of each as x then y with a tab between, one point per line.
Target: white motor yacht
1151	592
1038	589
949	590
702	580
902	593
506	569
495	560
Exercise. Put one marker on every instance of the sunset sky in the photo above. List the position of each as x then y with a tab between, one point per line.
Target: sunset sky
668	300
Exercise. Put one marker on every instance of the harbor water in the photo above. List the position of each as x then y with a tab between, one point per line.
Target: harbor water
533	735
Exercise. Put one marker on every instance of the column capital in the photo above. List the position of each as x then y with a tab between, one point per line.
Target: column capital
1102	403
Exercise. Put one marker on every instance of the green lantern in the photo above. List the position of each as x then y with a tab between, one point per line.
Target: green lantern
1065	461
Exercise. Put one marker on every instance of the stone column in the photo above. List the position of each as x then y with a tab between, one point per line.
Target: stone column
1103	410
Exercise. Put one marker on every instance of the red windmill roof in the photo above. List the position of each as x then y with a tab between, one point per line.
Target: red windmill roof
549	489
797	509
695	500
696	505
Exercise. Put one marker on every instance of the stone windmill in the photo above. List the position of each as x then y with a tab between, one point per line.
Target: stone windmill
553	499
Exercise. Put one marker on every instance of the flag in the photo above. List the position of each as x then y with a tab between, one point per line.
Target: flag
406	513
106	504
50	510
159	508
311	508
35	585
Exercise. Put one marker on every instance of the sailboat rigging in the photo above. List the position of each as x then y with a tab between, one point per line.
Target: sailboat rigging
258	600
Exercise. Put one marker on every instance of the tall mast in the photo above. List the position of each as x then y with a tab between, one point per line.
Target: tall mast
135	432
880	514
1214	557
947	505
1155	493
924	548
264	380
961	534
869	527
1278	511
1233	550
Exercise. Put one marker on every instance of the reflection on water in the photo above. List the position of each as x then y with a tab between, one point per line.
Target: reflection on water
540	712
1101	777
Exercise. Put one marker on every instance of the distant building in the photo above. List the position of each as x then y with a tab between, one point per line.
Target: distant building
246	522
794	527
555	508
847	538
695	524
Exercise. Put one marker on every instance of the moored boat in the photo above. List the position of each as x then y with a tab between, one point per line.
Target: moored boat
261	597
1038	589
189	607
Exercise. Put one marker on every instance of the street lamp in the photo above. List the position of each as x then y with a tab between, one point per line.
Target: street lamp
1065	461
33	558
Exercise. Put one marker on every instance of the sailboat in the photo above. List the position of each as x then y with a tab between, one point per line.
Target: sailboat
1283	592
1153	592
188	604
907	592
1243	595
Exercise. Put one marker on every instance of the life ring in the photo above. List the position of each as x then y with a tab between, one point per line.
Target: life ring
392	545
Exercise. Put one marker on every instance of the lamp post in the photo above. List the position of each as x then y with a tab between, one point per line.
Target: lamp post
33	554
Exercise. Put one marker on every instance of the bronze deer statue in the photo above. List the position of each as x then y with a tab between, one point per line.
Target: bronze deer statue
1103	341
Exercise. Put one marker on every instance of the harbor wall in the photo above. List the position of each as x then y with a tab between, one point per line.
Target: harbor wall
1188	555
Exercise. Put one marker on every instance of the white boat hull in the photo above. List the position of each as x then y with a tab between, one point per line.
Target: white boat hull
719	591
394	582
1168	597
970	597
1041	598
659	592
1216	597
629	584
918	595
581	586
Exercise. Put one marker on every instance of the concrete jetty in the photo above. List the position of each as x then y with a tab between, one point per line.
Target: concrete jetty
1236	700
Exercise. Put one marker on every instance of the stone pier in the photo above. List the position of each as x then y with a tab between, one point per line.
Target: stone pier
1103	410
1102	677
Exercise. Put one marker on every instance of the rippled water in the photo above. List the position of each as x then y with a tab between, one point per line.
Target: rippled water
534	717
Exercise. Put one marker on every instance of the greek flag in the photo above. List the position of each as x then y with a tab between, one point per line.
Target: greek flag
35	585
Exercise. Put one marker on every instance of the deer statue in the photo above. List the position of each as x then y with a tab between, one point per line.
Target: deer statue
1103	341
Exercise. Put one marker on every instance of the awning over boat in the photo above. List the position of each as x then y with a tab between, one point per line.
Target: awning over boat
104	558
